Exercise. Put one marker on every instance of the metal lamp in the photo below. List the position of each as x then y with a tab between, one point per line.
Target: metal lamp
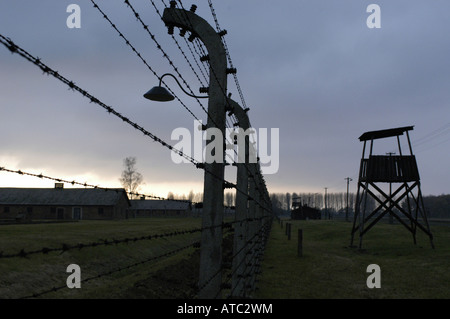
161	94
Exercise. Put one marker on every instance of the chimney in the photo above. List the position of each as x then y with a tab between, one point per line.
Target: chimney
59	185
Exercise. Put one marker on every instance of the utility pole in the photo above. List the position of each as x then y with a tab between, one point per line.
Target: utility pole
210	273
391	218
346	212
326	208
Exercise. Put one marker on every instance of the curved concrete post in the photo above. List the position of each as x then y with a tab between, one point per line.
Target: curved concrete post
210	276
240	245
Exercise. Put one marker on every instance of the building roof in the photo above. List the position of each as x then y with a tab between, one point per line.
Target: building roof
155	204
62	197
373	135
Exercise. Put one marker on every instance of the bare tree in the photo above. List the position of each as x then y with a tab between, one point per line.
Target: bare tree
191	196
198	197
288	202
131	179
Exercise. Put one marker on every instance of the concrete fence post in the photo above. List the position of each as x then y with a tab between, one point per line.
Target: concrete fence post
242	231
210	274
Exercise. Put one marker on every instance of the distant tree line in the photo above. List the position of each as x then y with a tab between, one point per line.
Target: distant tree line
191	196
437	206
336	203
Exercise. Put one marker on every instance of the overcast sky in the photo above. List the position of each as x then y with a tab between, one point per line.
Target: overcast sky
312	69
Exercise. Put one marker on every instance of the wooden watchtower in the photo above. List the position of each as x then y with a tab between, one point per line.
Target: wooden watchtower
393	170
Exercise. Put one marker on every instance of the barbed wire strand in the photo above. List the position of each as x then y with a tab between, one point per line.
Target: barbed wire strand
128	43
197	41
238	86
106	17
166	254
179	47
158	45
85	184
187	20
47	70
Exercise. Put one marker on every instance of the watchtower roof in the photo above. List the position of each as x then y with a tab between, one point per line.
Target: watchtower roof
373	135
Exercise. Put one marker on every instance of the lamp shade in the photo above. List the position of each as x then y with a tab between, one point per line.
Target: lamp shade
158	93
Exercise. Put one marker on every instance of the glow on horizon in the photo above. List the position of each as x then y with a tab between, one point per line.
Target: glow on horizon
8	179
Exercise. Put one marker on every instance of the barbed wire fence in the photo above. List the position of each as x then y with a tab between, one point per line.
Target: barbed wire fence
237	274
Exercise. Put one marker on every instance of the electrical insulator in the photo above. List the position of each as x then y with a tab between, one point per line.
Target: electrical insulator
193	8
170	29
200	165
204	89
222	33
228	185
204	58
231	70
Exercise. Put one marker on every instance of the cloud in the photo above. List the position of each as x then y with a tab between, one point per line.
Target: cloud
312	69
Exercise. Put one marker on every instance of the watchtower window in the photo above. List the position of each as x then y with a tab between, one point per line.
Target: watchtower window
389	169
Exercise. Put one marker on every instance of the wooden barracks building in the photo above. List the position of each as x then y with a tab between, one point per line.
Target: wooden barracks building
31	204
60	203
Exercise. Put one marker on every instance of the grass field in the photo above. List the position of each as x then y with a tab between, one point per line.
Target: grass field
22	277
330	269
327	269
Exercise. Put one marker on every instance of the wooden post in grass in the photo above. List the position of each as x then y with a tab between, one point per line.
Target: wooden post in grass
300	243
289	231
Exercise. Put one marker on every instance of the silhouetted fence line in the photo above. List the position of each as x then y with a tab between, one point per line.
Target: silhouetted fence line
251	228
47	70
